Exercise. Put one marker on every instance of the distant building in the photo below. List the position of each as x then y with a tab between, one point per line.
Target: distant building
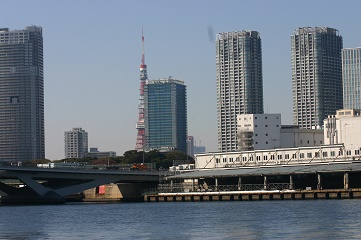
199	149
76	143
239	82
165	115
351	78
93	152
190	146
316	75
258	131
22	94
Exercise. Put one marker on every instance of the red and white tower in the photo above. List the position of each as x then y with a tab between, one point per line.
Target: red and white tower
140	124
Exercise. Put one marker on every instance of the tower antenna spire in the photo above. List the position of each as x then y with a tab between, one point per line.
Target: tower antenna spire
143	55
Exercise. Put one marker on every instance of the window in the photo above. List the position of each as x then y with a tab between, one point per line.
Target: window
287	156
237	159
224	159
316	154
251	158
324	154
357	152
258	158
294	155
272	157
218	160
231	159
244	159
340	152
264	157
333	153
309	155
302	155
279	157
348	152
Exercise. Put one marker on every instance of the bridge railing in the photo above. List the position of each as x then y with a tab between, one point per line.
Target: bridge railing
185	188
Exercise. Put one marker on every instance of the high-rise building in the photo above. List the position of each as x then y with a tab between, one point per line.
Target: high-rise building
316	75
165	112
139	146
351	78
21	94
239	82
76	143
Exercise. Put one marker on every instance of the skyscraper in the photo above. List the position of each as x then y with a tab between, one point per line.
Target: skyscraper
351	78
239	82
76	143
21	94
316	75
165	112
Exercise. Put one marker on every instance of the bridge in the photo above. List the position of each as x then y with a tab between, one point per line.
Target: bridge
52	185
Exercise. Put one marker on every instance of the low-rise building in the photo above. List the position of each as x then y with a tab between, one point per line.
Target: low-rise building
93	152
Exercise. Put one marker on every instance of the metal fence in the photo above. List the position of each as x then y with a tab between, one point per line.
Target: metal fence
186	187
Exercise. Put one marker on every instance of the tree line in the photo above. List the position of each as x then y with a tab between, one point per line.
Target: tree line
161	159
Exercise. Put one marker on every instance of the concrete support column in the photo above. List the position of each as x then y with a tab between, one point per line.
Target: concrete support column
193	185
345	180
171	185
239	183
216	183
265	182
291	182
319	181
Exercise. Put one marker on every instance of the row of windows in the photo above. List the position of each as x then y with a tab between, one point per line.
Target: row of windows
287	156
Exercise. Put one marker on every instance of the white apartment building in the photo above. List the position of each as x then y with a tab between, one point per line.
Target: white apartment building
76	143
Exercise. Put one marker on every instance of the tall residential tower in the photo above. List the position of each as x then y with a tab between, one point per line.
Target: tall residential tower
239	82
316	75
165	111
21	94
351	78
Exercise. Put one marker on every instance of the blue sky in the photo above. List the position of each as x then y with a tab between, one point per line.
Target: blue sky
92	53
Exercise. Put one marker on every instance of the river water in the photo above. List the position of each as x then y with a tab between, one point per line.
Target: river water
304	219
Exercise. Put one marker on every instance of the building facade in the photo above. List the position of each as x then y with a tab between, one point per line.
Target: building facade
258	131
21	94
76	143
316	75
292	136
94	152
165	114
239	82
351	78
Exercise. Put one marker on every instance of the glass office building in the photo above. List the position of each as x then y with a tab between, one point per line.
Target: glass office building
351	78
21	94
165	115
